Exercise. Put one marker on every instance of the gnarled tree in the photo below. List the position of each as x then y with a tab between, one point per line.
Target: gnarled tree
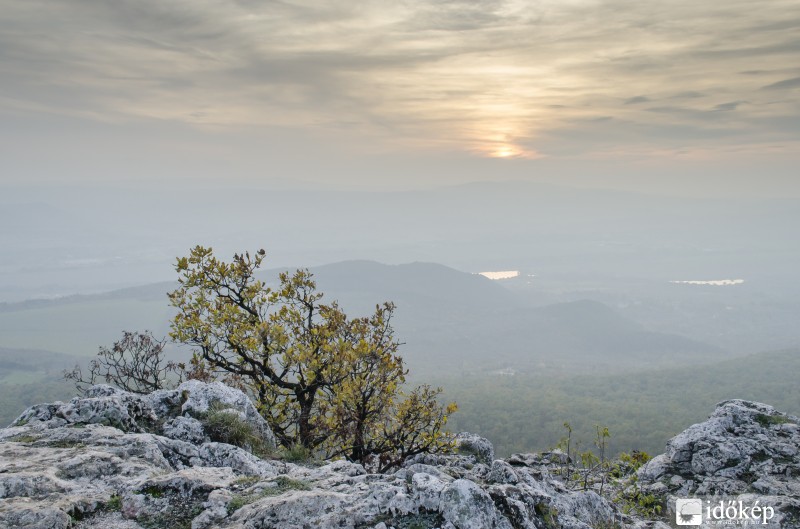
323	381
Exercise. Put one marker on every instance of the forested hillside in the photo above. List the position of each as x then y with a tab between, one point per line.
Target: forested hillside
28	377
578	361
526	412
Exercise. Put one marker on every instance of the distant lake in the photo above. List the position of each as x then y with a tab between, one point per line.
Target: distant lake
713	282
502	274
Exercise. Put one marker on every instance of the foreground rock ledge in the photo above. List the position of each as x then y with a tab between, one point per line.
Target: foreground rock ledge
113	459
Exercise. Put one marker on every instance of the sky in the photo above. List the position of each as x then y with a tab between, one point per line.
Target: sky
677	97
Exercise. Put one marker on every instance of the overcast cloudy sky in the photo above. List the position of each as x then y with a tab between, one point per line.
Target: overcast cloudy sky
665	96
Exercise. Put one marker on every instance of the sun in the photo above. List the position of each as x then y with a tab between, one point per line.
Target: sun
501	144
505	151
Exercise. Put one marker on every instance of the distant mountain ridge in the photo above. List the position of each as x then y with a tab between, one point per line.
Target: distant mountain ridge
53	237
445	317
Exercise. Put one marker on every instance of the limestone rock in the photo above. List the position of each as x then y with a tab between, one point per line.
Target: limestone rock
480	447
745	449
186	429
111	459
467	506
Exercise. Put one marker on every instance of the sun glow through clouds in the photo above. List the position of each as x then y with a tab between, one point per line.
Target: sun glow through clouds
506	151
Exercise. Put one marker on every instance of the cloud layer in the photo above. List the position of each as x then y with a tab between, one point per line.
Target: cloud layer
528	79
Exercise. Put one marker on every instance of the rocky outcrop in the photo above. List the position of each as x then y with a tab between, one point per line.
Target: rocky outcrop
115	460
173	413
745	450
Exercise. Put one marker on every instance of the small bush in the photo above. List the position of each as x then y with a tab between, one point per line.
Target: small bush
136	363
240	500
114	503
635	501
548	514
285	484
627	464
153	491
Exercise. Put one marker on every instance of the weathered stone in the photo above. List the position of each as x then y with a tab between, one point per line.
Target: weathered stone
480	447
186	429
118	460
427	490
502	472
744	448
467	506
198	398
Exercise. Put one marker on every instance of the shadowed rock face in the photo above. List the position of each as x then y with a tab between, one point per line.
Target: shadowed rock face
116	460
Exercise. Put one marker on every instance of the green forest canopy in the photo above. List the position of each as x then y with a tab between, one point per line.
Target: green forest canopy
525	413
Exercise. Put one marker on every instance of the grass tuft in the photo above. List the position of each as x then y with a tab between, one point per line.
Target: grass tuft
225	425
114	503
768	420
297	453
281	485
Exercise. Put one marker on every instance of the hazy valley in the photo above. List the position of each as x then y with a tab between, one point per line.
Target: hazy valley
643	356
